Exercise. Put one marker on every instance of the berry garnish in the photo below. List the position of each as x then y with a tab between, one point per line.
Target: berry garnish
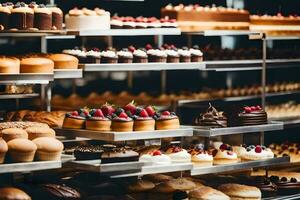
123	115
176	149
131	48
156	153
150	110
253	108
107	109
166	113
294	180
75	113
258	108
223	147
247	109
131	107
214	152
85	112
149	46
98	113
284	179
144	113
119	111
258	149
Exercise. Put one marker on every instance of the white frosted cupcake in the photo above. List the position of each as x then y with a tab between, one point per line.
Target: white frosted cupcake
178	155
201	157
155	158
224	155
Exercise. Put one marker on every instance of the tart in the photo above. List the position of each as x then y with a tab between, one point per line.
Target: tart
166	121
211	118
224	155
129	23
156	55
253	115
140	56
173	56
142	121
109	57
121	122
97	121
75	119
257	153
88	152
108	109
114	154
201	157
141	22
124	56
156	158
178	155
185	55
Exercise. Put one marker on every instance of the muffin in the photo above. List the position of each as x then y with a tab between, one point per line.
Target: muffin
48	148
3	150
173	56
21	150
42	18
36	132
140	56
124	56
185	55
13	133
109	57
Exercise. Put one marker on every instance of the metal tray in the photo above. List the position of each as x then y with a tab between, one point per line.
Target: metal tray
27	78
67	73
19	96
239	166
212	132
142	67
125	136
288	197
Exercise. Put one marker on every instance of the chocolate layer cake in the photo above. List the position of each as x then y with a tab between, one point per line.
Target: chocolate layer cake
113	154
88	152
253	115
42	18
21	17
211	118
57	18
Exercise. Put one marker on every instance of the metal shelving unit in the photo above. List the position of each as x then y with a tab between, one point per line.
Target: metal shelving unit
26	78
19	96
125	136
288	197
67	73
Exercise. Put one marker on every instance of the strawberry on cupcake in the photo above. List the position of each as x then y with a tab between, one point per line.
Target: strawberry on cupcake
143	121
76	119
121	122
97	121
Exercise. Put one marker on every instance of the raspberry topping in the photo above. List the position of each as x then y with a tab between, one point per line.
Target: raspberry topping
75	113
144	113
150	110
98	113
156	153
258	149
123	115
166	113
223	147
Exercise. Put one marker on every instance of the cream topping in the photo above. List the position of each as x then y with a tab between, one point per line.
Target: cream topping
196	52
181	156
4	9
171	52
116	22
93	53
89	12
56	10
75	12
110	54
225	155
22	10
129	24
184	52
140	53
202	157
125	54
158	160
156	52
43	10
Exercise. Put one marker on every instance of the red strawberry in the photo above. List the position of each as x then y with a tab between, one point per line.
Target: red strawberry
98	113
107	109
75	113
247	109
150	110
156	153
131	48
166	113
144	113
148	46
258	108
123	115
258	149
86	113
223	147
130	107
253	108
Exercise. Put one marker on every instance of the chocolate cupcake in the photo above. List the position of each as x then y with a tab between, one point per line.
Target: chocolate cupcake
173	56
42	18
88	152
185	55
22	17
196	54
4	17
140	56
93	56
109	57
211	118
124	56
156	55
57	18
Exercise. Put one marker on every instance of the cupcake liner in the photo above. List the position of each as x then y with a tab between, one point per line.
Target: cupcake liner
47	156
18	156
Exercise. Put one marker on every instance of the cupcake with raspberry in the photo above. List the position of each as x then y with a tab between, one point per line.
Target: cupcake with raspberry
185	55
178	154
201	157
121	122
142	121
224	155
109	57
96	121
166	121
93	56
124	56
196	54
257	153
173	56
155	157
76	119
157	55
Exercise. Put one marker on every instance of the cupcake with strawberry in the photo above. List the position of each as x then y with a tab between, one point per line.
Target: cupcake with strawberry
224	155
96	121
155	157
257	152
166	120
121	122
76	119
108	110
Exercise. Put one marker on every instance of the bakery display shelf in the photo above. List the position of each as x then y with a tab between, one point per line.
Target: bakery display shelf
156	169
283	37
126	32
32	33
125	136
213	132
223	33
243	65
239	166
289	122
26	78
287	197
142	67
19	96
67	73
96	166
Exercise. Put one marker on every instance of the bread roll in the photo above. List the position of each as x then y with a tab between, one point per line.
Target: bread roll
13	133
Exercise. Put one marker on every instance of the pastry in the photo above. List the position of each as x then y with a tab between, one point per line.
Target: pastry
142	121
156	55
9	65
155	158
125	56
93	56
153	22
36	132
140	186
211	118
36	65
166	121
158	178
108	109
88	152
224	155
121	122
63	61
3	150
141	22
196	54
57	18
185	55
253	115
140	56
21	17
173	185
97	121
239	150
21	150
116	22
13	133
4	17
63	192
178	155
129	23
75	119
12	193
173	56
48	148
237	191
22	125
109	57
257	153
207	193
201	157
113	154
42	18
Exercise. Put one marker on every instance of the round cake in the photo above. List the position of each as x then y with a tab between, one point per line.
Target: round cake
36	65
253	115
9	65
64	61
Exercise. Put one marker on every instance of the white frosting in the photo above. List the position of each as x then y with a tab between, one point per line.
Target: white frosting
127	54
156	52
140	53
202	157
142	24
171	52
93	53
129	24
79	22
156	24
180	157
116	22
157	160
196	52
184	52
239	150
224	155
252	155
110	54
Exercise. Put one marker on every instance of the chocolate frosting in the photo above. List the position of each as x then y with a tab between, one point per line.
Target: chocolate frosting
62	192
211	118
253	118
